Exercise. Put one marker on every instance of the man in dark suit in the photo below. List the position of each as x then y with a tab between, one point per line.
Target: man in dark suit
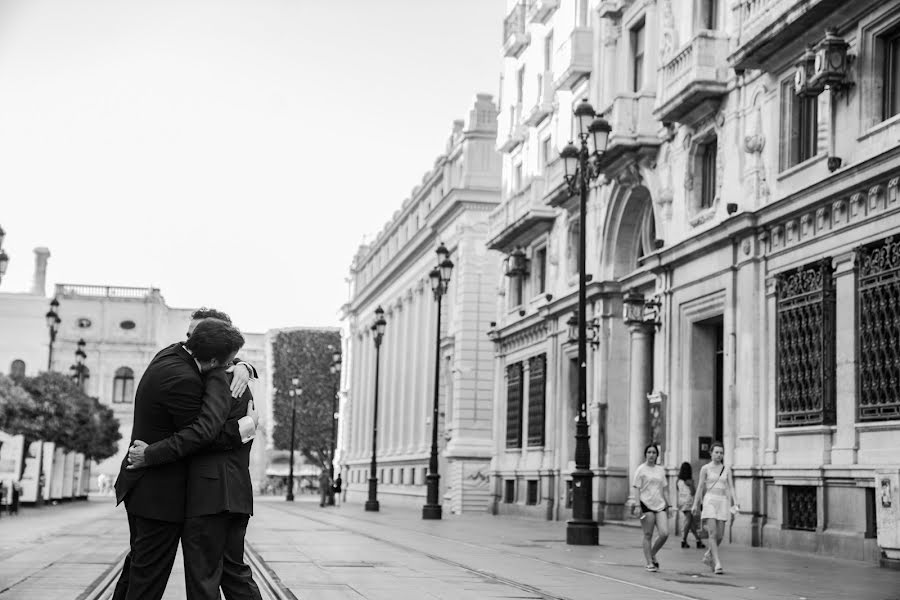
219	504
183	388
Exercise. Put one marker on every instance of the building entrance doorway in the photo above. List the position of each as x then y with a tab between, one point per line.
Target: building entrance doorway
706	388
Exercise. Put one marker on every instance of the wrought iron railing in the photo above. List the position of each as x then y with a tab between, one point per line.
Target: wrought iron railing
802	507
514	405
805	337
537	397
878	318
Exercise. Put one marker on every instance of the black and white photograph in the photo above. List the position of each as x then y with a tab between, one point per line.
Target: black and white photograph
449	300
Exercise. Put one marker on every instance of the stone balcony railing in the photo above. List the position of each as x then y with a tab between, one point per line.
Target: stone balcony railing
574	58
515	37
511	129
544	104
520	219
540	10
694	77
768	27
633	125
70	290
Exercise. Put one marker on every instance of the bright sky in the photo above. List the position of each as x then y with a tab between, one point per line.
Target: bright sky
231	152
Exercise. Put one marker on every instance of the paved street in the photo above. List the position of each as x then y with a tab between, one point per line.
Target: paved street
62	552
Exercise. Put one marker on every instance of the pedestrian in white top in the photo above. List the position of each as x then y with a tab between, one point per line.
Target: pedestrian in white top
716	487
652	486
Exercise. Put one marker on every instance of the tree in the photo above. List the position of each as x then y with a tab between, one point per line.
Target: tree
305	354
51	407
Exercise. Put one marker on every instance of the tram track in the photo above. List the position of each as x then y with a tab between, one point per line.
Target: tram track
270	587
538	592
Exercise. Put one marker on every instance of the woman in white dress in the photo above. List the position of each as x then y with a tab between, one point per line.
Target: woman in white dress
652	485
716	488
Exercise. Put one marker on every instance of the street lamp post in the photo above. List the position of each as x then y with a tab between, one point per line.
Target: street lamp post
378	334
581	167
294	394
4	257
53	322
79	370
335	369
440	280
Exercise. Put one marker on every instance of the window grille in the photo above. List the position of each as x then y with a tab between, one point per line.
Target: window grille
537	394
802	507
509	491
878	327
531	495
805	346
514	406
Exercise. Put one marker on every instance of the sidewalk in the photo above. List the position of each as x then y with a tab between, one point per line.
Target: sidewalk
347	553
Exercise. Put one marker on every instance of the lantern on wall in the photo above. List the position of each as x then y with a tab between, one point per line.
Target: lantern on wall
805	71
516	263
832	62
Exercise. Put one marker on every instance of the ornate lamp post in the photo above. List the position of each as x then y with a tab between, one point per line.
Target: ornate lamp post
580	169
440	280
294	394
4	258
335	369
53	322
79	370
378	334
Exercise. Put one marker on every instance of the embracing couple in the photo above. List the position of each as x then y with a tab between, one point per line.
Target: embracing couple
186	476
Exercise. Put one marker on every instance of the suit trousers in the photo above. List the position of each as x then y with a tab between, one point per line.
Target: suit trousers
213	547
148	564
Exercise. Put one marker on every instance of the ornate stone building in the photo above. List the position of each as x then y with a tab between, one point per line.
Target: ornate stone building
123	328
742	256
450	205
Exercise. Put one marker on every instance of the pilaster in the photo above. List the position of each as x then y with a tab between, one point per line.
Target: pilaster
845	444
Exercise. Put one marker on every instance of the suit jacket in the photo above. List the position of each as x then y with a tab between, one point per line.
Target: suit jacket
172	395
219	476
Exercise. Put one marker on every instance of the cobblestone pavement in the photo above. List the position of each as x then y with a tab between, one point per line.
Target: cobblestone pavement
60	553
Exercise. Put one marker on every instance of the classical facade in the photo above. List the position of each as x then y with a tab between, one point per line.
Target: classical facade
449	206
123	328
742	255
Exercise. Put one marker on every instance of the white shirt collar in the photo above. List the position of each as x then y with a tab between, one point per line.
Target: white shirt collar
199	368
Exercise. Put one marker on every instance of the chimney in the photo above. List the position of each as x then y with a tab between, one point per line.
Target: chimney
39	286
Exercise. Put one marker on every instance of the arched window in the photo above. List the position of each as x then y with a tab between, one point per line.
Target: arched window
123	385
17	368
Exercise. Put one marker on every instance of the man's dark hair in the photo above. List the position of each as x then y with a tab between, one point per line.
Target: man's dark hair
210	313
214	338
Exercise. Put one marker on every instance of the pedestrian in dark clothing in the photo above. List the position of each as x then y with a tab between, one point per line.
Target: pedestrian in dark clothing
14	497
336	489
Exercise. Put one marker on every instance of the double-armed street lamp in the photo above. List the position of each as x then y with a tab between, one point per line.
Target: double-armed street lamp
581	167
377	335
440	281
335	369
4	257
53	322
294	394
79	370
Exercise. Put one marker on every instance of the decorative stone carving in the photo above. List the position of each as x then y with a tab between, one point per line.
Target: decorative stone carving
838	211
821	218
629	176
892	191
777	236
874	197
806	225
746	246
857	203
669	41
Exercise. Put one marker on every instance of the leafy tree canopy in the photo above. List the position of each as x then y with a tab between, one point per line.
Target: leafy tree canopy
51	407
305	354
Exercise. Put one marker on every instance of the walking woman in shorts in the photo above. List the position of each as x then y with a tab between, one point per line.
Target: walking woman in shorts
650	482
716	488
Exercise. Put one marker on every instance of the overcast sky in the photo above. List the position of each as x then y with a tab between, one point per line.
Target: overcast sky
231	152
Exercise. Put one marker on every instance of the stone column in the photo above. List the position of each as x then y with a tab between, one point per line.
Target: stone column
843	452
640	382
425	360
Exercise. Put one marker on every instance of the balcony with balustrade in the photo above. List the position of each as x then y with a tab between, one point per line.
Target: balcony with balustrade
540	10
544	104
515	36
574	58
693	79
771	28
511	130
634	127
521	218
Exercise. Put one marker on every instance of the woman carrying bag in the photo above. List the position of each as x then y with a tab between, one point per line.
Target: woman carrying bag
716	488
